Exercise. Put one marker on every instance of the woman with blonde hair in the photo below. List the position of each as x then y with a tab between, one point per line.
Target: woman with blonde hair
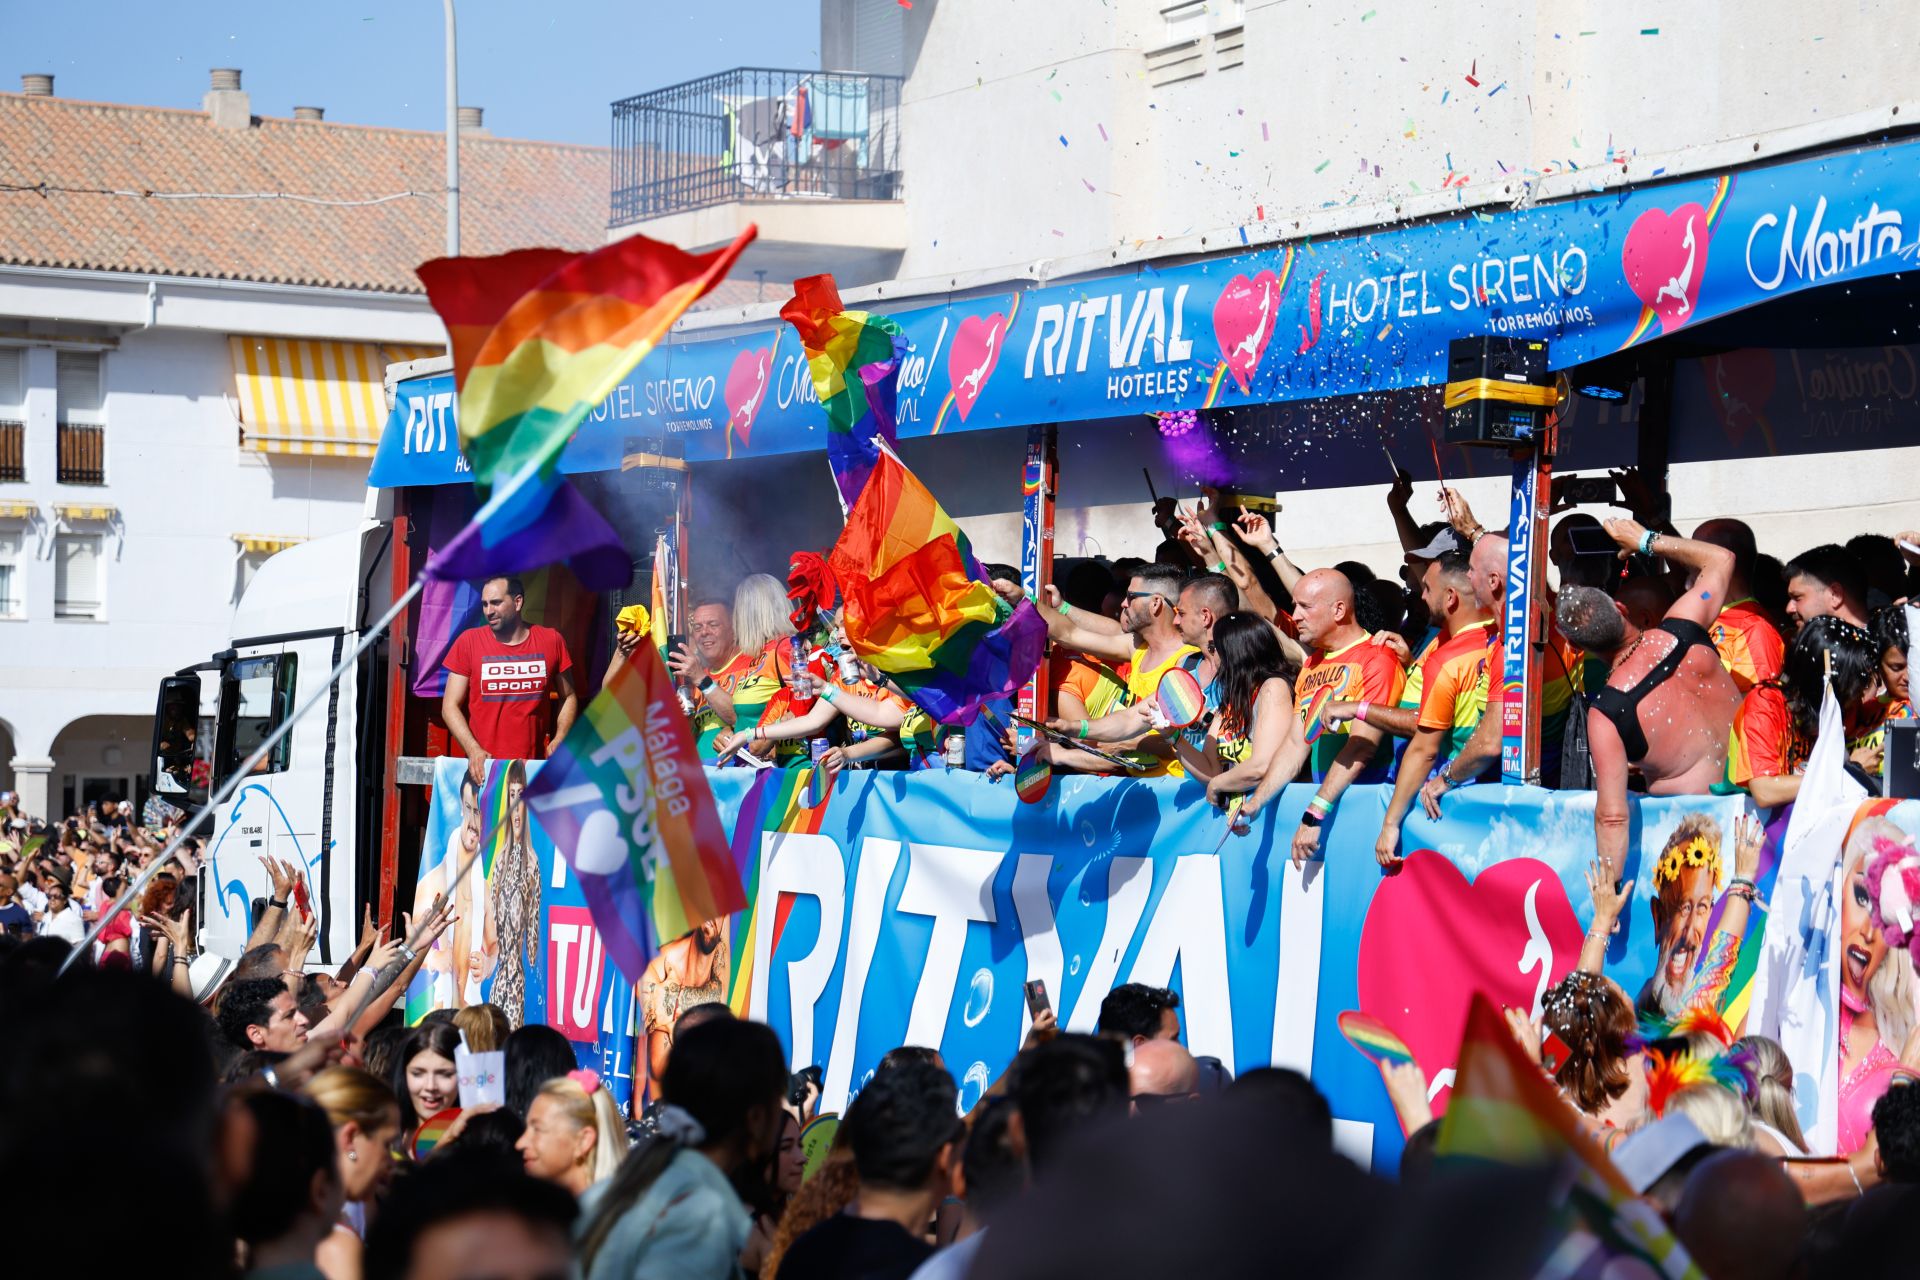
1876	986
766	637
1771	1099
366	1120
574	1133
484	1026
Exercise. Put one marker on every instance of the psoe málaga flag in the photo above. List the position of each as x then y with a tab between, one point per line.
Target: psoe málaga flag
626	803
539	338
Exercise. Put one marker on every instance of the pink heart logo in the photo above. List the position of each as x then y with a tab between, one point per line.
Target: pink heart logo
1739	384
971	358
1432	938
1665	258
746	390
1243	322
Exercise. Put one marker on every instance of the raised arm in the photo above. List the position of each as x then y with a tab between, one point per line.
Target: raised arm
1258	534
1609	900
1611	814
1711	566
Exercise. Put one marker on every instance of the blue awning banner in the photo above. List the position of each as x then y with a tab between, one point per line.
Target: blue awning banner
1307	319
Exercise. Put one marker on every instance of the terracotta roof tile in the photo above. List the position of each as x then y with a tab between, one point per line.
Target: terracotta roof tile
514	194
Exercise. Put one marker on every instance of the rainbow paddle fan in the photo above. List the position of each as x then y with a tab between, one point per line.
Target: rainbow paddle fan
1374	1039
1033	775
1179	698
433	1131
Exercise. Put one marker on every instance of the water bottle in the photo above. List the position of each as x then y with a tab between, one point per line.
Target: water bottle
801	703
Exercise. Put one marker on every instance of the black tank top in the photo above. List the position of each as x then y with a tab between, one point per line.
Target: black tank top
1622	706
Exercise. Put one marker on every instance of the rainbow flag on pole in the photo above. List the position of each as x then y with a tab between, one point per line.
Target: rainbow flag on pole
918	605
1504	1109
539	338
626	803
853	357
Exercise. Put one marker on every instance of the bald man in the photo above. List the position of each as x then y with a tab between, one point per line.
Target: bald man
1343	665
1741	1216
1163	1069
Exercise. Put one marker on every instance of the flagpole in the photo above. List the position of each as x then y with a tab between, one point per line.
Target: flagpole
241	774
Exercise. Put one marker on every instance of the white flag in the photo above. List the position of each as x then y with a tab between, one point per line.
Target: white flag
1797	989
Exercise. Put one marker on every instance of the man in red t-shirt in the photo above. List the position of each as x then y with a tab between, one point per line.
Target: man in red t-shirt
507	666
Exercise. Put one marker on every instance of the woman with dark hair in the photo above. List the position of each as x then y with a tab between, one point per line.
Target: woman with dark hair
425	1079
1252	703
671	1210
535	1055
1890	648
775	1184
1774	729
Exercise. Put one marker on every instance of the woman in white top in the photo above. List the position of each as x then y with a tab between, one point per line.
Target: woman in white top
62	919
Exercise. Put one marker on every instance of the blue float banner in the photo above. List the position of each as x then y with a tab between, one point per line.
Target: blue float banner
910	908
1302	320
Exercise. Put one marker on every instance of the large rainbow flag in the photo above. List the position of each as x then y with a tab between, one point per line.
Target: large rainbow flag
775	805
1504	1109
853	357
539	338
625	800
918	605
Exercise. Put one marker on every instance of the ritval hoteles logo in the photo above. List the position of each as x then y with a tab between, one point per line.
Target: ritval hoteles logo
576	962
977	344
1244	318
1665	259
746	391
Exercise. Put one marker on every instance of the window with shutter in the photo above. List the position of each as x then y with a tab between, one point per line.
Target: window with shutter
78	387
78	578
13	416
12	588
879	37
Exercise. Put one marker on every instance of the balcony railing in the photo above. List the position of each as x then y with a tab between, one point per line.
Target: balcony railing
755	133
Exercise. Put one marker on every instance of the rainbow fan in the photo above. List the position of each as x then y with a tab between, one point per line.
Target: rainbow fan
1315	724
1179	698
433	1131
1374	1039
1033	775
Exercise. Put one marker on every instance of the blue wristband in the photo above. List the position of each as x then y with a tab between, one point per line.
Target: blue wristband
1647	541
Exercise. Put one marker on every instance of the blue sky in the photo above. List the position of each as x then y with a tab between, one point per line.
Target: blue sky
542	70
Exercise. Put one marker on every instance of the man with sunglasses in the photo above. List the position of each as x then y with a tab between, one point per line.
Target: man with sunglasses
1147	639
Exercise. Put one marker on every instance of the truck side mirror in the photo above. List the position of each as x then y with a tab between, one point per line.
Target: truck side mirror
176	744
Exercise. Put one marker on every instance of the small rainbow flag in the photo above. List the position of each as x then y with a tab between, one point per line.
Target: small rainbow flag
1503	1109
626	802
539	338
853	357
918	605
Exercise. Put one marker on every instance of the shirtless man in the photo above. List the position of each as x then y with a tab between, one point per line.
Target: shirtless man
691	970
1668	703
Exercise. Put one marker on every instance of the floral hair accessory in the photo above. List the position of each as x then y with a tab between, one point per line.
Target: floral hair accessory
1697	852
586	1077
1893	886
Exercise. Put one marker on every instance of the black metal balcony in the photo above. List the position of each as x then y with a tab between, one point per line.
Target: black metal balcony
756	133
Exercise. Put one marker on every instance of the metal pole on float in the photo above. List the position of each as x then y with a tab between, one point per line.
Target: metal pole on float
453	139
1039	480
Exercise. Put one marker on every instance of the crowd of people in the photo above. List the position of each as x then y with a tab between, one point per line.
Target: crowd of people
1673	666
287	1123
271	1139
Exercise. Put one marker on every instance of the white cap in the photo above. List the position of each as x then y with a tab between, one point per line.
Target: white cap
1648	1153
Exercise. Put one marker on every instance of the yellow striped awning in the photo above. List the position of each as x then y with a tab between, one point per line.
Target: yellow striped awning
317	399
265	542
17	510
77	511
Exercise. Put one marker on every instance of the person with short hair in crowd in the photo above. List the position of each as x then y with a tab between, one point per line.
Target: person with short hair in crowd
1827	582
260	1013
905	1139
1162	1071
1136	1013
991	1175
461	1218
292	1194
1745	635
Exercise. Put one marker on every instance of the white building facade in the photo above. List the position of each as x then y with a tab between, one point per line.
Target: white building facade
1049	143
193	382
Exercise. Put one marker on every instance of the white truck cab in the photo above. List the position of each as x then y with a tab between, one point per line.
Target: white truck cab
317	800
